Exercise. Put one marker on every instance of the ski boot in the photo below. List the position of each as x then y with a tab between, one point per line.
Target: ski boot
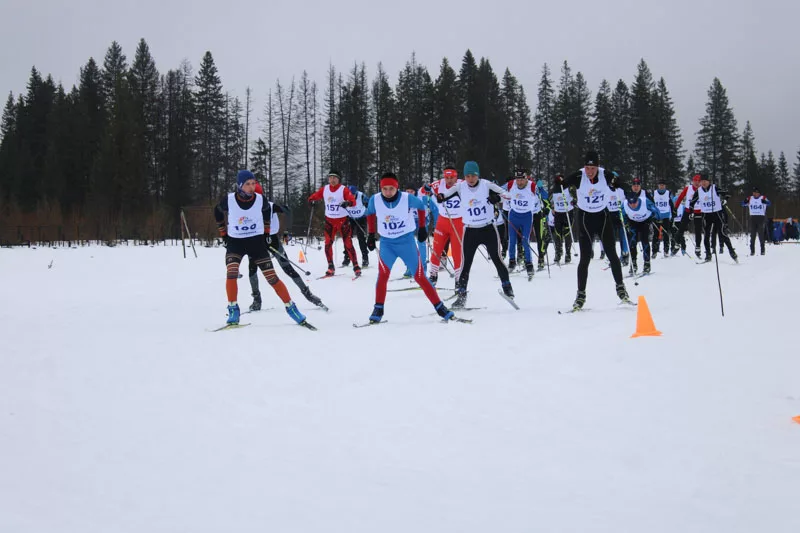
512	265
443	311
624	258
634	266
357	271
233	314
654	255
256	305
707	259
697	251
558	257
540	266
622	293
461	299
580	300
567	258
646	269
507	290
753	252
314	299
364	262
331	270
346	261
602	254
433	278
734	256
529	269
377	314
292	311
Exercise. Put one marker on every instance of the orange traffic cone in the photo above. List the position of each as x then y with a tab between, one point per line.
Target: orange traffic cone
796	419
644	321
302	258
449	252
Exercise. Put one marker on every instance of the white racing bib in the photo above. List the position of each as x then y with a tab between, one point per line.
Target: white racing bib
395	221
476	209
524	200
359	209
757	207
662	201
642	213
333	200
593	197
451	208
244	223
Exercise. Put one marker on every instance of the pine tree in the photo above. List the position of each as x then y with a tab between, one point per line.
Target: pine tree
784	184
414	112
91	110
384	117
354	123
748	173
518	122
768	171
446	116
718	140
178	159
472	115
621	112
306	95
667	142
573	112
545	133
494	159
642	127
331	158
796	177
602	133
8	149
143	81
287	128
209	111
691	169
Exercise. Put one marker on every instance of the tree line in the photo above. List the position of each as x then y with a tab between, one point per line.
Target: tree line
123	150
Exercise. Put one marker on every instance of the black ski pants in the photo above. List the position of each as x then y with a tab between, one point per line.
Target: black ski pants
757	229
589	225
490	238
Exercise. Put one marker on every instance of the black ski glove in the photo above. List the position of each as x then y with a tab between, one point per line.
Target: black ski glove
422	234
371	242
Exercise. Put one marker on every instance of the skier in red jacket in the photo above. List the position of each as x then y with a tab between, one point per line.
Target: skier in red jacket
336	198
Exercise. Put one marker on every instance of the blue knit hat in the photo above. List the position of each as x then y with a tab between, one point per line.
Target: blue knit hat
471	167
243	176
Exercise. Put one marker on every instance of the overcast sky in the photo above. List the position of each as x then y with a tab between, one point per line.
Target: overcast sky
752	46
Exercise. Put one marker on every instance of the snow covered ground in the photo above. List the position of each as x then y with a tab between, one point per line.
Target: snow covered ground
119	412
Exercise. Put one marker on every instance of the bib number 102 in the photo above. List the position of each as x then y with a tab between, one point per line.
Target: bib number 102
394	225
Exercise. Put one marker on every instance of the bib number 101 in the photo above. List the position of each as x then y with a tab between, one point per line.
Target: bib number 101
476	211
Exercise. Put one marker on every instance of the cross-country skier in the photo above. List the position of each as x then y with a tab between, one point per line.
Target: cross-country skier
449	226
615	200
561	204
663	222
592	219
248	221
358	221
758	214
389	213
279	253
432	214
709	200
524	202
639	212
477	214
337	198
691	213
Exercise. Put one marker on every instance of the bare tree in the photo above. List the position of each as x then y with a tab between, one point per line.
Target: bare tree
247	110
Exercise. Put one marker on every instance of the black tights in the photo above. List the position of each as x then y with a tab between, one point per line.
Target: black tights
588	225
474	237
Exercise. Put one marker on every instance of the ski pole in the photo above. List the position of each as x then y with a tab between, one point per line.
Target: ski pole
308	233
716	257
283	256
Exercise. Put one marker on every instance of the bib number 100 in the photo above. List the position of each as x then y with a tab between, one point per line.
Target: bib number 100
476	211
245	228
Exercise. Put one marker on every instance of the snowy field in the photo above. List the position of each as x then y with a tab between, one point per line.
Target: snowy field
119	412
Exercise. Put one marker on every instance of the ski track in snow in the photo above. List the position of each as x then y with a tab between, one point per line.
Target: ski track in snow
120	412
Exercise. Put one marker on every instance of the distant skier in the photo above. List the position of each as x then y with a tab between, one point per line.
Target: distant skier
758	214
524	203
358	221
431	215
640	212
615	200
663	225
389	214
248	220
561	204
709	199
337	198
691	214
